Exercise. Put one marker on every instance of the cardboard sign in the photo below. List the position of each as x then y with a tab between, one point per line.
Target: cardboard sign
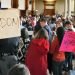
68	43
9	23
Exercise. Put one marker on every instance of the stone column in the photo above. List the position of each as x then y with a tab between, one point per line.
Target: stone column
69	8
74	7
25	7
65	8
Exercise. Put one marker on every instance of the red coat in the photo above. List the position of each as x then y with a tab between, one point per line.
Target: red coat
36	58
57	55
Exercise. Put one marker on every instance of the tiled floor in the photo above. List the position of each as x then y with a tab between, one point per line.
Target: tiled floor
74	63
73	68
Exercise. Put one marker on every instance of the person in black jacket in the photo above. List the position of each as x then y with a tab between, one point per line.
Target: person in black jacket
8	52
9	45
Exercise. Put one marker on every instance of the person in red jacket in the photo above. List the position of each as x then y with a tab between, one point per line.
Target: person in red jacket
58	56
36	57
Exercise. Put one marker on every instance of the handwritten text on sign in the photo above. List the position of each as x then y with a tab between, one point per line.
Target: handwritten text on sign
9	23
68	43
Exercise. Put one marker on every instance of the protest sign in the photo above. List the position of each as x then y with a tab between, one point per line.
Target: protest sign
9	23
68	43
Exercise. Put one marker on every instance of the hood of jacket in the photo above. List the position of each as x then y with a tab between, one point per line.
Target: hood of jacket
41	42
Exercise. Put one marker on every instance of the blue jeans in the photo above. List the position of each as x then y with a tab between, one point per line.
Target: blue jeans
57	67
68	61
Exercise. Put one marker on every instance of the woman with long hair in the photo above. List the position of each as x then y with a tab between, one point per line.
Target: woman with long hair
58	56
36	57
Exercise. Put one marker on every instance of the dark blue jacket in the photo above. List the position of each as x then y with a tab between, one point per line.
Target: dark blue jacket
9	45
38	27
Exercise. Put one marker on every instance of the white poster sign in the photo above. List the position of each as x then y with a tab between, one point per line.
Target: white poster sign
5	3
9	23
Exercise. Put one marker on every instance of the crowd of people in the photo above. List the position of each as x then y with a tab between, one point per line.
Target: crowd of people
40	51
